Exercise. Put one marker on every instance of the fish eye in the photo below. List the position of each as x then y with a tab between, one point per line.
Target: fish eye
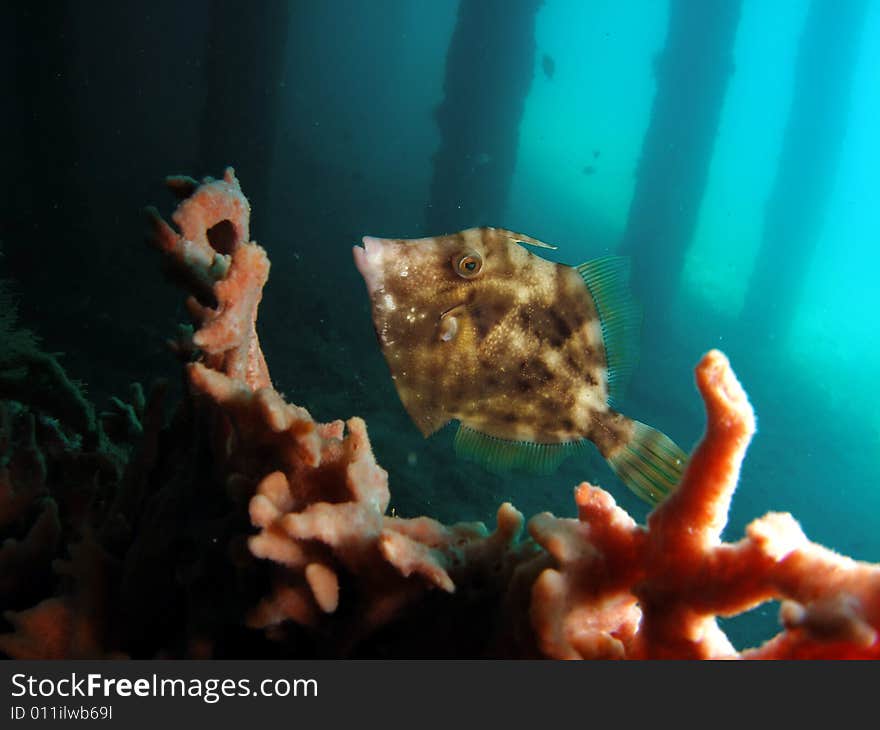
468	264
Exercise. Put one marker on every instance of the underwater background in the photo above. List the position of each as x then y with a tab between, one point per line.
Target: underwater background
727	146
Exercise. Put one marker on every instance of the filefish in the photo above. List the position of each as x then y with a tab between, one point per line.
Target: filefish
528	355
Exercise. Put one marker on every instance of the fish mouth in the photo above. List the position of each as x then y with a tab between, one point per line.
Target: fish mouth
369	262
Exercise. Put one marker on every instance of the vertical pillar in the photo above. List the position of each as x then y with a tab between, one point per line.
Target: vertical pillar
692	75
489	69
807	163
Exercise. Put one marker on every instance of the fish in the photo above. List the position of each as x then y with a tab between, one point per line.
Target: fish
530	356
548	65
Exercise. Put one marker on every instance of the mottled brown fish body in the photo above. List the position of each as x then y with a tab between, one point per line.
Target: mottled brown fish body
477	328
526	361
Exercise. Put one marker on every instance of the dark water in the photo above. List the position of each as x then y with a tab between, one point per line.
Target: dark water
728	147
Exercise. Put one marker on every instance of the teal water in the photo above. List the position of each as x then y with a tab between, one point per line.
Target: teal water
580	141
333	127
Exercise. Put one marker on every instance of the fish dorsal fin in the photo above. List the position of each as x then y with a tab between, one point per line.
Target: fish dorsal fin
607	279
522	238
501	455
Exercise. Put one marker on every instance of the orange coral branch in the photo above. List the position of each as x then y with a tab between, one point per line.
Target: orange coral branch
620	590
336	564
224	272
605	587
73	626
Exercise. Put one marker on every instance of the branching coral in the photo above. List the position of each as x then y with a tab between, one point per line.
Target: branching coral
28	373
318	496
65	506
51	485
276	526
224	271
75	625
619	589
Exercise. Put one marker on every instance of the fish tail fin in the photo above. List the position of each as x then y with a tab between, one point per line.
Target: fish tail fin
649	463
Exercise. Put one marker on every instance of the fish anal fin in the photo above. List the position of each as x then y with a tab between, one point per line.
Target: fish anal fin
650	463
501	455
607	279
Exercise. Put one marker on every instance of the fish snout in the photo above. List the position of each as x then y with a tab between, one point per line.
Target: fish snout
369	261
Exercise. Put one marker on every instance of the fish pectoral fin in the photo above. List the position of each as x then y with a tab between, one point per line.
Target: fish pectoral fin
650	463
607	279
501	455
